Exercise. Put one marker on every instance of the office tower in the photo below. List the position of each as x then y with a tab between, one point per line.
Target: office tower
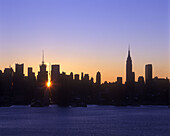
98	78
8	73
129	74
29	71
62	76
119	80
82	76
19	69
141	80
71	75
92	80
133	77
148	73
76	76
7	82
86	77
31	74
42	74
55	72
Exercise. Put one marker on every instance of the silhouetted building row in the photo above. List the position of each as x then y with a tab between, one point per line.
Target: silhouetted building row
130	76
16	88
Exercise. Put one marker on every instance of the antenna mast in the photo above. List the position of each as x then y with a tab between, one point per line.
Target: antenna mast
49	72
129	50
43	57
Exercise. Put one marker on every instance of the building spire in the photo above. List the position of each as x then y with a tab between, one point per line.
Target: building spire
129	50
43	57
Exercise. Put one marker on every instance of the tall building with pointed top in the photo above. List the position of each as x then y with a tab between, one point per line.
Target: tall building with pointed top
129	73
42	74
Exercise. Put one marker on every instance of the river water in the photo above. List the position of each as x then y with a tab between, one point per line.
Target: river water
79	121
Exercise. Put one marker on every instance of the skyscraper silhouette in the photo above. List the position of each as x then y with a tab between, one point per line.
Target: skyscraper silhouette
148	72
129	73
98	78
76	77
31	74
133	77
82	76
55	72
29	71
71	75
141	80
43	74
19	69
86	77
92	80
119	80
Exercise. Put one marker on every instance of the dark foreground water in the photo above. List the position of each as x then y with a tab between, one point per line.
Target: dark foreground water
90	121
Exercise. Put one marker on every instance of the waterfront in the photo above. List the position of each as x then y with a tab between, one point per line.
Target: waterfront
93	120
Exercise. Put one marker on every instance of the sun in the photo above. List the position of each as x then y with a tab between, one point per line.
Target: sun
48	84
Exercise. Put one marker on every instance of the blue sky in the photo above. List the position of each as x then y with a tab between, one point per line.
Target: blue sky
86	35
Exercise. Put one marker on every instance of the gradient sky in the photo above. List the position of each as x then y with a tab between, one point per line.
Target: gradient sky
86	35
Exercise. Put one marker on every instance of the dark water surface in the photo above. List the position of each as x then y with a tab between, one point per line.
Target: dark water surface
90	121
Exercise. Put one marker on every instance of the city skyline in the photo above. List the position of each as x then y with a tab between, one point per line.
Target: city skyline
86	36
54	72
84	67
